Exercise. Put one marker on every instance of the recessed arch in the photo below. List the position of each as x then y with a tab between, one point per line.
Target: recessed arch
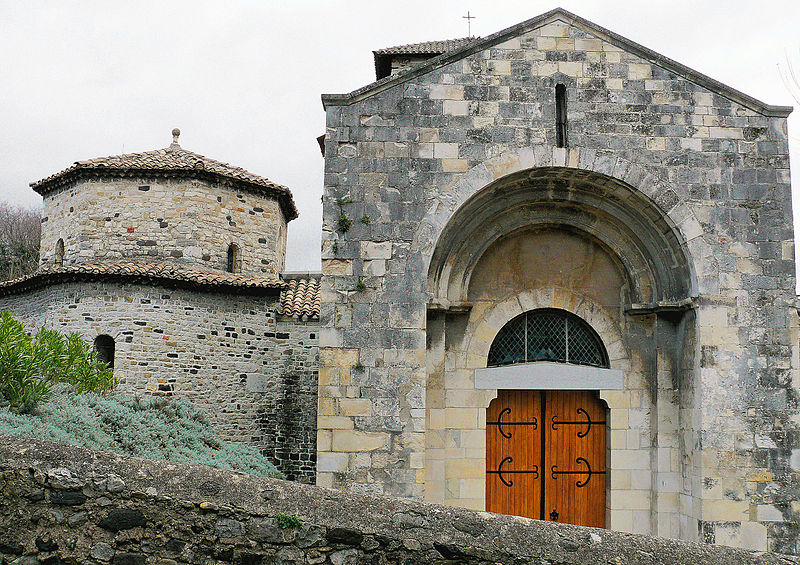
618	216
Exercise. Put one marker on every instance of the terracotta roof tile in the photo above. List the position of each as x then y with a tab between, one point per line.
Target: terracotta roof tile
428	47
170	161
166	274
301	298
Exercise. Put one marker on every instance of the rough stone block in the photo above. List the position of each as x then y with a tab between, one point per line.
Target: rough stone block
353	440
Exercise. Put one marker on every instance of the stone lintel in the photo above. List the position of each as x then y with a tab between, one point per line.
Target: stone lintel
549	376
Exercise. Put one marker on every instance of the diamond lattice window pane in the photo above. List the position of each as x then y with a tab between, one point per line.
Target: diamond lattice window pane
583	346
509	345
547	340
547	335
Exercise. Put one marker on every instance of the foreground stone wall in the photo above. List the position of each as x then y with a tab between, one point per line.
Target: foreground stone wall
63	504
191	222
254	376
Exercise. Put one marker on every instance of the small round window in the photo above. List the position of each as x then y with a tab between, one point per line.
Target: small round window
547	335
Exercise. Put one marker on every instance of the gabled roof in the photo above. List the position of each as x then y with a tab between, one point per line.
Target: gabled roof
172	161
567	17
300	299
147	273
427	49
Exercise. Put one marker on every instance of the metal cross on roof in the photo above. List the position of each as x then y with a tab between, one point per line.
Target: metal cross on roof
469	23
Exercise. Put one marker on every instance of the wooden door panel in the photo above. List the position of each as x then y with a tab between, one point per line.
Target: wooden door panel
575	458
513	454
549	444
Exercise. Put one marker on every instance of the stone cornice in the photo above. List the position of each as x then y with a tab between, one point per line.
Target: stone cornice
148	274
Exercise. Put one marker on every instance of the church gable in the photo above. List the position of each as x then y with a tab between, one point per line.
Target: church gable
556	31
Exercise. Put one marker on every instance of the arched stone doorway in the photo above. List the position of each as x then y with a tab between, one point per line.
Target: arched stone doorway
593	246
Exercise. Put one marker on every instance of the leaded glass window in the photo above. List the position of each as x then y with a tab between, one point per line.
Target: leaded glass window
547	335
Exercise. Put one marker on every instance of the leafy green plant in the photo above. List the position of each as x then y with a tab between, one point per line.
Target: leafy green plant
343	223
366	219
31	365
286	521
361	286
358	366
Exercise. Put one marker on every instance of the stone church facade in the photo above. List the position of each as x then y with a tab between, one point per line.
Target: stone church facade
557	169
534	240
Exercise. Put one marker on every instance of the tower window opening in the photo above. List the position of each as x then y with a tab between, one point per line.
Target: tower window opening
561	115
104	346
60	252
233	258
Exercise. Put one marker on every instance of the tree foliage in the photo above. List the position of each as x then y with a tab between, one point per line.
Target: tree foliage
31	365
20	232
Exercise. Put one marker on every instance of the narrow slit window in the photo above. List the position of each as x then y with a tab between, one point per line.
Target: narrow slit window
233	258
561	115
60	252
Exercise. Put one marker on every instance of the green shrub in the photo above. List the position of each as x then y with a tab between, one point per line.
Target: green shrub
286	521
146	427
31	365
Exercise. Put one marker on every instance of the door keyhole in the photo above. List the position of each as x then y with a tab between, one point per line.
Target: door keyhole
554	515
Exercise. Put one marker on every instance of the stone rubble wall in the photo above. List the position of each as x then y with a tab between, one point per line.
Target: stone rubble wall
62	504
188	222
254	376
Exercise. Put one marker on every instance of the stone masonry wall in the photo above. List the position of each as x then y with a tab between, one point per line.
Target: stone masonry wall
253	375
62	504
410	153
185	221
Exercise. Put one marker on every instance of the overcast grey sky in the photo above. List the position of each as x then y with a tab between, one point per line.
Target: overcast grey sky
242	79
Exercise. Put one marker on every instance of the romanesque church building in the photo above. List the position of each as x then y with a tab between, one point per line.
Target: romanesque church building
574	299
558	282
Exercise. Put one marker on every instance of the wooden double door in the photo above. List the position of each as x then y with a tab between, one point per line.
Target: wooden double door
546	456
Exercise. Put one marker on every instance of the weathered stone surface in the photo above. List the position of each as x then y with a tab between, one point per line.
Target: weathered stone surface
64	479
102	551
268	531
12	548
129	559
123	519
45	544
227	528
344	535
78	518
69	498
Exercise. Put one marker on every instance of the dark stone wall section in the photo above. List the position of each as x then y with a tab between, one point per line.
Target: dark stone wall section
62	504
286	417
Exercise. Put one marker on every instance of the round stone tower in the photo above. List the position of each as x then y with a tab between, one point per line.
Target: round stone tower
166	206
